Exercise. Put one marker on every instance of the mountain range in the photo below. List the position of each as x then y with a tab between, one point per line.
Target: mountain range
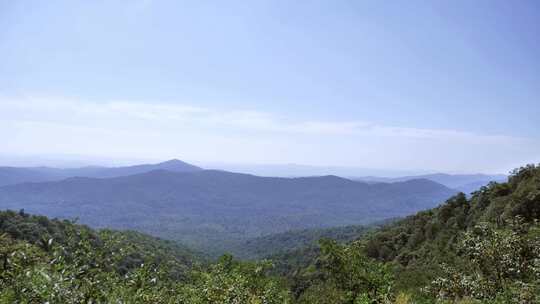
211	210
16	175
462	182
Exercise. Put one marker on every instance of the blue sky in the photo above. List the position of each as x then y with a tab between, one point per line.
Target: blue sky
417	85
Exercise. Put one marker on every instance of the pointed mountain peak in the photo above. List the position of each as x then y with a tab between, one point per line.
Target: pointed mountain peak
174	161
177	165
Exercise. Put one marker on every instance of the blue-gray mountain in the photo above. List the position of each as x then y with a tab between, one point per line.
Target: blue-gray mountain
217	210
15	175
465	183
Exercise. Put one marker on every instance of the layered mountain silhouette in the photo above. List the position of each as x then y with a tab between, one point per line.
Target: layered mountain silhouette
214	210
14	175
465	183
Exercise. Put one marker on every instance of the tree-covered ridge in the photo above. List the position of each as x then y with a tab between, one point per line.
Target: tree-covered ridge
51	261
486	247
280	243
294	250
419	243
39	231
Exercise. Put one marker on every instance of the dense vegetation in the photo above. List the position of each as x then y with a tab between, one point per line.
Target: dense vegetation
285	242
485	249
294	250
39	231
421	242
51	261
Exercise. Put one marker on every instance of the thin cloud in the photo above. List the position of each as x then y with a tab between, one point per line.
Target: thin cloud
73	112
79	112
160	130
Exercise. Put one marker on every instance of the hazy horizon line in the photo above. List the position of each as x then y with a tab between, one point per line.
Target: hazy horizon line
72	161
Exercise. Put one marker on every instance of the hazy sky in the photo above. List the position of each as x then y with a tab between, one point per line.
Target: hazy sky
436	85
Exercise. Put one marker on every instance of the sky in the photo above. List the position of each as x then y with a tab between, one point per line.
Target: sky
448	86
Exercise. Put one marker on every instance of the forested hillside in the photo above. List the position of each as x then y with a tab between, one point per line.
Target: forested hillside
51	261
420	242
216	210
485	249
269	245
289	242
43	232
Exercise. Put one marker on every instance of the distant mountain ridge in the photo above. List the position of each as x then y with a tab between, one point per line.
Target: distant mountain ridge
465	183
213	210
16	175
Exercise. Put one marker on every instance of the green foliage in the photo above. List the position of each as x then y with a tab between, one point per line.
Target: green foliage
362	279
281	243
39	231
229	281
343	274
100	267
418	245
502	265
